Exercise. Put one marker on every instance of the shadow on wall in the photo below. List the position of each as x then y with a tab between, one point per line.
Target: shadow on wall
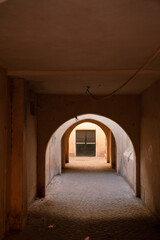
57	150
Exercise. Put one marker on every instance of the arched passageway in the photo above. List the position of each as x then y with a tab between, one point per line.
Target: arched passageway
89	145
108	140
57	148
90	203
68	108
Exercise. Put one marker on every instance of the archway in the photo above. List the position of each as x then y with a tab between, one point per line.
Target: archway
87	140
126	156
111	146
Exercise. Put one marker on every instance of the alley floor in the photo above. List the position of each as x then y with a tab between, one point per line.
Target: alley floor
89	201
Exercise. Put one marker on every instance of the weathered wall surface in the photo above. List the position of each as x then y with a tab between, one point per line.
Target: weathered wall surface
150	148
31	144
101	141
127	164
54	110
52	164
4	147
23	164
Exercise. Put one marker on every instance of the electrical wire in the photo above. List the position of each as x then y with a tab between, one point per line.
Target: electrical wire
149	60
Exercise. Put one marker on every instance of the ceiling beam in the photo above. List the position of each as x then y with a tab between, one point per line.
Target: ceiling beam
22	73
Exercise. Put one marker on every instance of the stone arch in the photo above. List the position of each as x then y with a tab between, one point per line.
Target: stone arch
117	131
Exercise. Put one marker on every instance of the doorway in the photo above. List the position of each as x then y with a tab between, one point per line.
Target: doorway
86	143
87	140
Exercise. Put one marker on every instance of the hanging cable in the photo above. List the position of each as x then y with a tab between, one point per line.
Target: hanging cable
149	60
88	92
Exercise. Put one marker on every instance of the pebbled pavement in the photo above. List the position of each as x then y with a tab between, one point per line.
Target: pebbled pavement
89	201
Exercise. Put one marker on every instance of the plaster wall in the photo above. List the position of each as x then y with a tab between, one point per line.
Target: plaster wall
127	158
18	165
4	148
150	148
23	164
53	162
31	144
101	141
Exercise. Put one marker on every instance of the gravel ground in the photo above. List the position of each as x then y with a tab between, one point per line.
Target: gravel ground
89	201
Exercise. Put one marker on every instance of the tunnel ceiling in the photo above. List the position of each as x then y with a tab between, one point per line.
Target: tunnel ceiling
63	46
